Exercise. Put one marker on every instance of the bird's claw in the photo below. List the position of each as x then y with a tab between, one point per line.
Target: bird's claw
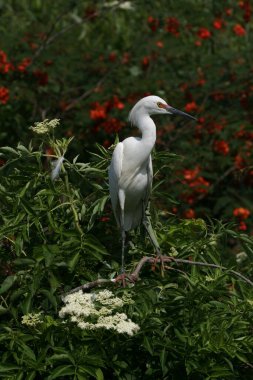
159	258
156	259
124	276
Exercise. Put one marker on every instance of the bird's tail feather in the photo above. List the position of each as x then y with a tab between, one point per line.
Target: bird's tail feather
132	219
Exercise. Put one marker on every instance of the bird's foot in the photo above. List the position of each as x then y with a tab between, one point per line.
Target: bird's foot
123	277
157	258
160	259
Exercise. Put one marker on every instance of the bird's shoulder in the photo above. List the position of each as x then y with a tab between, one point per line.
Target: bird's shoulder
131	145
131	141
124	151
116	162
124	146
118	151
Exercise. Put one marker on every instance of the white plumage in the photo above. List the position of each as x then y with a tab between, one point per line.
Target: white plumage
130	179
130	171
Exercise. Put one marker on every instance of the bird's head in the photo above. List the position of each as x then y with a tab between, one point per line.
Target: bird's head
153	105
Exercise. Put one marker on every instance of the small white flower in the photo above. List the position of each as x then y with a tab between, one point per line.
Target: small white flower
209	278
104	295
173	251
31	319
105	311
241	256
45	126
127	327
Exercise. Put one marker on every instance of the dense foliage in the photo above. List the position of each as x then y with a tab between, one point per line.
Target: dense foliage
86	63
194	322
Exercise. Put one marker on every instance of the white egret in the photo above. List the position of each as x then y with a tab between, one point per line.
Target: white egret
130	170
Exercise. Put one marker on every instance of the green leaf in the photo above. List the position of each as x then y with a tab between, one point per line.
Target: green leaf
23	149
8	367
8	149
50	297
181	337
62	370
3	189
24	261
147	345
73	261
163	360
99	374
54	282
3	310
61	357
7	284
31	376
97	209
17	293
242	357
20	375
97	249
81	376
27	207
26	304
82	370
27	351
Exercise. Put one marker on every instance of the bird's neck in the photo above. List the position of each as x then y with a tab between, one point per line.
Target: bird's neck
148	130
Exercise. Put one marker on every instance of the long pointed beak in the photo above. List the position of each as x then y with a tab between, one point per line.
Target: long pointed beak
174	111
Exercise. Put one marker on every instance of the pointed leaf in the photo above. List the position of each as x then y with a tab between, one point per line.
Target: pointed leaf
62	371
8	282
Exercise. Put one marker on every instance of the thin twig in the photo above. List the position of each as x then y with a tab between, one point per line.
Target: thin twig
90	285
87	93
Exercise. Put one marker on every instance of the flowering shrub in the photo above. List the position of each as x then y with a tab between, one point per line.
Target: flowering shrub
96	311
56	233
87	63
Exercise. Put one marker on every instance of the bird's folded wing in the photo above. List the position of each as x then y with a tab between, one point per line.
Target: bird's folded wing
115	169
150	180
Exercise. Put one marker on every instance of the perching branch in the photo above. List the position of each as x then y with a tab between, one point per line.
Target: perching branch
91	285
134	276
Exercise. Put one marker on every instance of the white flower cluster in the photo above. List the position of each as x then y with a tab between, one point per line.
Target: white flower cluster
31	319
241	256
96	310
45	126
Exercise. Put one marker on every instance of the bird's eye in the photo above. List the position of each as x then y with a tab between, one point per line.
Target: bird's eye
160	105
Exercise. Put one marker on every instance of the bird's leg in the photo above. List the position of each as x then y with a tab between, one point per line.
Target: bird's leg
151	233
123	240
123	235
148	226
122	276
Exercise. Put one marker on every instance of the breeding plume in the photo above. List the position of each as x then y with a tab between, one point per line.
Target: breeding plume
130	171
